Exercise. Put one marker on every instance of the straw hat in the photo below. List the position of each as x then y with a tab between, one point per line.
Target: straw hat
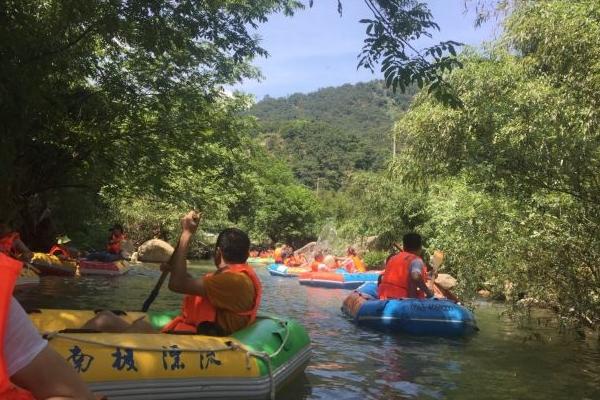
63	239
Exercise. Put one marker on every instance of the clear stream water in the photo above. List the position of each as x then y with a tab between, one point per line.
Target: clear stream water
505	360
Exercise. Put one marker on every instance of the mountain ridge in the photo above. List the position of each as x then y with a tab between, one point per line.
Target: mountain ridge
328	134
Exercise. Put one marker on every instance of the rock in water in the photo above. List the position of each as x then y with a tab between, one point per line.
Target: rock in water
446	281
306	249
155	251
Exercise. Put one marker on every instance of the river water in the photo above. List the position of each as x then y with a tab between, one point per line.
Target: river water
505	360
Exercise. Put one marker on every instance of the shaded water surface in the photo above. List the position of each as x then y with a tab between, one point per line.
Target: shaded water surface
503	361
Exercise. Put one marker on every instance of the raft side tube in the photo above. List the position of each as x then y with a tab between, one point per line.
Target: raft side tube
337	280
437	317
285	271
245	365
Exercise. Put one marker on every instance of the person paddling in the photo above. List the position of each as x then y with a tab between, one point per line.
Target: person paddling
62	250
405	273
113	247
218	303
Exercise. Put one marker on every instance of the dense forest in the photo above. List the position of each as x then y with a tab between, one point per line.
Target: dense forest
327	135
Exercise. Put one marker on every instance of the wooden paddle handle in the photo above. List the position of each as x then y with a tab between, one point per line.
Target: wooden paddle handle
436	262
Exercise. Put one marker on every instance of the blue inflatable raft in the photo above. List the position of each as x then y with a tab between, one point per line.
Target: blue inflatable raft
436	317
340	279
285	271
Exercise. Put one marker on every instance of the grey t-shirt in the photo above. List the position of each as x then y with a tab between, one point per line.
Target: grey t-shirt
416	266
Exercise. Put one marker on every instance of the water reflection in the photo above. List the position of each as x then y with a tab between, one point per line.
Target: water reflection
503	361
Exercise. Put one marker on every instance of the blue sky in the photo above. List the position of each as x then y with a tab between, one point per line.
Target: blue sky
316	48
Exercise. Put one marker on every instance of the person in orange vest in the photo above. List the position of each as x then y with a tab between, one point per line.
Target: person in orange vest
405	273
218	303
117	235
62	251
294	260
352	262
29	368
281	253
113	246
329	264
265	253
314	266
12	245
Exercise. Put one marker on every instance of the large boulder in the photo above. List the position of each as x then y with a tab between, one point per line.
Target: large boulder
446	281
155	251
307	249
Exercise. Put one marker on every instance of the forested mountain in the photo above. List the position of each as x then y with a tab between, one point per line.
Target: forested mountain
329	133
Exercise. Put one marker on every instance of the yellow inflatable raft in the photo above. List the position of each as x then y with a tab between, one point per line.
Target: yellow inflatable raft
52	265
252	363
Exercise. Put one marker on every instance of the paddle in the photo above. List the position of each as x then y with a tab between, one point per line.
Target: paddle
436	262
32	267
154	293
161	280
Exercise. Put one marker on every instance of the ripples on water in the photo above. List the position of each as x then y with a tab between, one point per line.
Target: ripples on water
503	361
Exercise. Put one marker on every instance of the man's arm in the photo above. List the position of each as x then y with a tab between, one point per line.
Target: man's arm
180	281
416	268
34	366
419	281
48	376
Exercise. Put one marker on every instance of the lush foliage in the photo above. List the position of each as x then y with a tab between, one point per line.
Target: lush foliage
275	208
375	204
122	99
396	24
375	259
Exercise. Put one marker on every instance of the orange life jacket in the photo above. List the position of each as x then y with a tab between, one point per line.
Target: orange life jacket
396	278
114	246
359	265
278	255
61	250
198	309
7	241
314	266
9	272
293	261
